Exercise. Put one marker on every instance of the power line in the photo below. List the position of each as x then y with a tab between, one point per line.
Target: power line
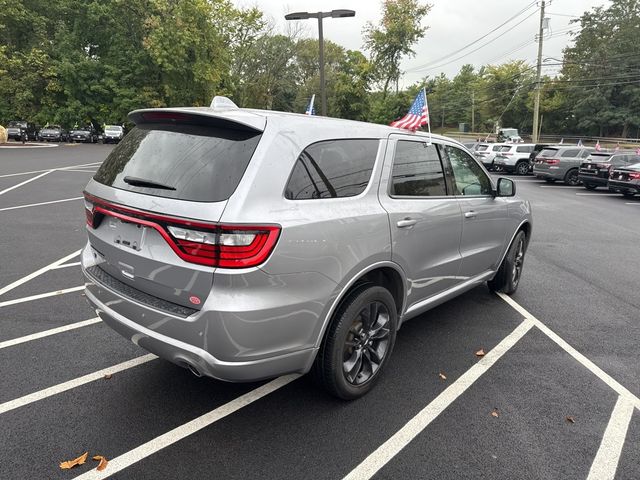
428	64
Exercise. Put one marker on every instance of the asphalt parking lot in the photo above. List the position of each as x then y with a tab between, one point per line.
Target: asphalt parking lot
555	396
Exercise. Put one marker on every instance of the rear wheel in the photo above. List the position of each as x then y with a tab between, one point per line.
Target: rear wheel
590	186
571	178
508	277
522	168
358	343
628	194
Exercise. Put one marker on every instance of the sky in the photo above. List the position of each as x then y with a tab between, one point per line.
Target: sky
452	24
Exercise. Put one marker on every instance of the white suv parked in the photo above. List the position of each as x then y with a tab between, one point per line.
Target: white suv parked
514	158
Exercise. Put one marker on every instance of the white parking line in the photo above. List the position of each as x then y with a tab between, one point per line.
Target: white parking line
633	203
41	203
48	333
385	452
76	382
49	169
152	446
74	264
39	272
605	464
588	364
559	186
83	171
40	295
25	182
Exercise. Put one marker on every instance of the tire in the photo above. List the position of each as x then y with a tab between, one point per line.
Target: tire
354	353
571	178
508	277
522	168
628	194
550	180
590	186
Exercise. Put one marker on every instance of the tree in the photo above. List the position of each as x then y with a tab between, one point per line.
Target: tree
393	39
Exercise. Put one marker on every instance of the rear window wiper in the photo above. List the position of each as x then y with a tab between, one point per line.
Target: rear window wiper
141	182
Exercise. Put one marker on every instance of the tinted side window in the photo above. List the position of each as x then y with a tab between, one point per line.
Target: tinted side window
572	152
585	154
468	176
333	168
524	149
417	170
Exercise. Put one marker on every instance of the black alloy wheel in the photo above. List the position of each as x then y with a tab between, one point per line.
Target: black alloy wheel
509	273
590	186
358	342
571	178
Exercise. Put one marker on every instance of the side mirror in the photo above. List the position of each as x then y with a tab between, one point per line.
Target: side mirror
506	188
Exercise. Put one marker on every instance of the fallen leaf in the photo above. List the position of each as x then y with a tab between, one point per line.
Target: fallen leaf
76	461
495	413
442	376
570	419
480	353
107	376
103	462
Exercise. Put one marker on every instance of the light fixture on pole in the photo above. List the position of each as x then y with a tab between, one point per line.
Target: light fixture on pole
320	16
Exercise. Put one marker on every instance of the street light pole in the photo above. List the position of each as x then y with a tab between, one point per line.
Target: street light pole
320	16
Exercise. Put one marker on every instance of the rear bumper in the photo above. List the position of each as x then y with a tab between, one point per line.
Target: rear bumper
242	344
547	174
623	186
593	180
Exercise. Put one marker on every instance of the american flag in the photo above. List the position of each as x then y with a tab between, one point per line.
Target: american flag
418	114
310	108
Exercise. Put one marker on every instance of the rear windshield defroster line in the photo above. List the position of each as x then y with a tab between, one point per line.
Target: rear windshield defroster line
203	164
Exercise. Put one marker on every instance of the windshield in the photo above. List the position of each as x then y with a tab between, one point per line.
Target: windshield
509	132
17	124
200	164
112	128
52	127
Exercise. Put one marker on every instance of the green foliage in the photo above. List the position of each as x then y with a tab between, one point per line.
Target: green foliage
393	39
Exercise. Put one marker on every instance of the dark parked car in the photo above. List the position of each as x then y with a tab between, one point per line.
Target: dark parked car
594	172
22	130
86	134
54	133
625	180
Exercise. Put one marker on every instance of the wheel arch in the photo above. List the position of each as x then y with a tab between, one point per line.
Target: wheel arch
385	274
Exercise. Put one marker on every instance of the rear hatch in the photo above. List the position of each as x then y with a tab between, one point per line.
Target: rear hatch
153	205
546	158
597	165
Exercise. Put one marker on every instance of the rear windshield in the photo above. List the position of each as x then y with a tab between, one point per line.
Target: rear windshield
548	153
17	124
600	157
201	164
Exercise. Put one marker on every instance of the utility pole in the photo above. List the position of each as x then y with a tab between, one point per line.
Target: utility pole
536	102
473	112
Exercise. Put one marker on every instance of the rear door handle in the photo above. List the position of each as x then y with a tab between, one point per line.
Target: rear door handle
406	223
470	214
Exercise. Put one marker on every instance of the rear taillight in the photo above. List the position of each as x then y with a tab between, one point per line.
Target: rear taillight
506	154
211	244
603	166
552	161
634	176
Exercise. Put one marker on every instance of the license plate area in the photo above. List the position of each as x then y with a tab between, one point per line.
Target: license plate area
126	234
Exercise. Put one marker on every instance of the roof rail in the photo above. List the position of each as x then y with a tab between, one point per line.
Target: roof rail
223	103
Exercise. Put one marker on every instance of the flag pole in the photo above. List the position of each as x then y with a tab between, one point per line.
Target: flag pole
426	104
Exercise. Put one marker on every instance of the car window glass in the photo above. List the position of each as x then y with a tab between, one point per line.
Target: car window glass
417	170
496	148
482	148
548	153
524	149
468	176
585	153
505	148
571	152
333	168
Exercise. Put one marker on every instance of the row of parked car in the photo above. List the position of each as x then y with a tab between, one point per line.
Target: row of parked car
618	170
24	131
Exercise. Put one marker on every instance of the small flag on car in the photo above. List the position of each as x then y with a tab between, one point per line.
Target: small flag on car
561	141
580	142
598	147
310	108
417	116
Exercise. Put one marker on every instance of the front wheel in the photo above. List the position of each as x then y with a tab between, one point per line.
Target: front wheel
590	186
358	343
508	277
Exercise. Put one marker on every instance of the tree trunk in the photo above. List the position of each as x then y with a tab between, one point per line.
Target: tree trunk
625	129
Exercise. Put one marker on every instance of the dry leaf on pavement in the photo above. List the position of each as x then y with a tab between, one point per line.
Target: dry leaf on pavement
107	376
76	461
480	353
495	413
570	419
442	376
103	462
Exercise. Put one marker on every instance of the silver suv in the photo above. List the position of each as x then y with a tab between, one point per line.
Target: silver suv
246	244
560	163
